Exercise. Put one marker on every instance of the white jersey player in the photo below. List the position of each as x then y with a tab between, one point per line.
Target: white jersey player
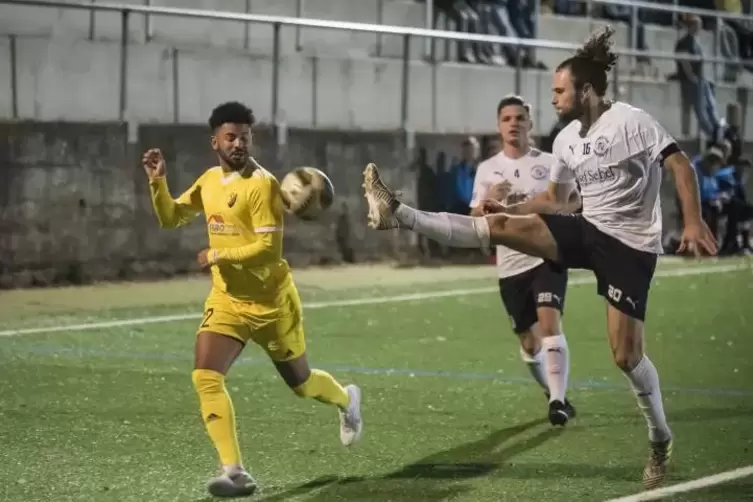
532	290
616	153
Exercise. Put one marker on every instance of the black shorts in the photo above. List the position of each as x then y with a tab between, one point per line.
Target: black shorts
542	286
623	274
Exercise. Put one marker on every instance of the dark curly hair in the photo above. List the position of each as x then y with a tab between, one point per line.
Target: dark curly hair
231	112
593	61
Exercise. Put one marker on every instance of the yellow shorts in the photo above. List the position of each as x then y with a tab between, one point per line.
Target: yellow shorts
276	325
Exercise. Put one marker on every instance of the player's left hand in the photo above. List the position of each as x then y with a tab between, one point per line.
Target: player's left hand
491	206
698	239
203	259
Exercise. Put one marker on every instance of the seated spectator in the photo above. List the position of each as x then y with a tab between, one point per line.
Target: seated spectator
459	16
570	7
737	209
624	13
706	167
510	18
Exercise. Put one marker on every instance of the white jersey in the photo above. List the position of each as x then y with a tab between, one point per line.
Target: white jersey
618	167
528	175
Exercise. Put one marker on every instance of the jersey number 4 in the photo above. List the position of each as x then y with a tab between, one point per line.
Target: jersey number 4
517	173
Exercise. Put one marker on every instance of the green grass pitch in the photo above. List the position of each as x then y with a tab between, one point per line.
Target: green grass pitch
450	411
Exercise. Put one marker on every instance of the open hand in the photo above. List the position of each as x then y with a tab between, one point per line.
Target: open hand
698	239
154	163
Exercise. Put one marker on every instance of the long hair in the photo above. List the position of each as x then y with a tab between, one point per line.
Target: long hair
592	62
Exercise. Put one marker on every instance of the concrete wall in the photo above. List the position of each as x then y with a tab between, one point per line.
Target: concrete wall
337	80
73	79
74	204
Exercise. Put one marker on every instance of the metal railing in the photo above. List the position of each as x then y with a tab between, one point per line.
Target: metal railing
278	21
675	10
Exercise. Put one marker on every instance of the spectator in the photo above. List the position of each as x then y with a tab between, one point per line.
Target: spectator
707	167
696	90
743	28
427	195
462	175
735	206
462	17
733	132
514	18
624	13
548	141
344	235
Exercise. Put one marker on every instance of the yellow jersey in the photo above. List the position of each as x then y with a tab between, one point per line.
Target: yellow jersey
244	214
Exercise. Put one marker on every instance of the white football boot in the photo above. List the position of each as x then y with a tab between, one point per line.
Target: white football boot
234	482
351	424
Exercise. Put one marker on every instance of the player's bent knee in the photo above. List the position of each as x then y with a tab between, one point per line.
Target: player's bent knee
207	381
626	360
627	356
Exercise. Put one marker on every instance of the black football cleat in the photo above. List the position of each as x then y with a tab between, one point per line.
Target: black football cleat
569	409
558	413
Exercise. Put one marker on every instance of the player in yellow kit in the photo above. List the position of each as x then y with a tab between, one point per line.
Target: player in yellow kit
253	296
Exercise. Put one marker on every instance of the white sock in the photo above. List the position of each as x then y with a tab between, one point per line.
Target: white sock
557	365
453	230
232	469
645	382
536	365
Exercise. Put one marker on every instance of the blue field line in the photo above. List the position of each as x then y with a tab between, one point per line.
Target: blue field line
448	374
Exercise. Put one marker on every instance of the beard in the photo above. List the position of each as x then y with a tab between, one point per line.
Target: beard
574	113
236	160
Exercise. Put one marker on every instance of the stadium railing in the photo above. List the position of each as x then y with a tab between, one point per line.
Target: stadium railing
278	21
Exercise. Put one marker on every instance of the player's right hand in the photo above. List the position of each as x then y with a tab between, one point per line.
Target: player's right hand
154	163
698	239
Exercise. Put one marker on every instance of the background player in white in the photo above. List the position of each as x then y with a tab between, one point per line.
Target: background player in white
615	151
532	290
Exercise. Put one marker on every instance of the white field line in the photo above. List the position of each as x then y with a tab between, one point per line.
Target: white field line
696	484
138	321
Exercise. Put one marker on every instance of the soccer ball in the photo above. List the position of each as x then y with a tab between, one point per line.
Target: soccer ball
307	192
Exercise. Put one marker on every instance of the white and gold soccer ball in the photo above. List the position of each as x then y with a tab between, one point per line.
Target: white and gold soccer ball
307	193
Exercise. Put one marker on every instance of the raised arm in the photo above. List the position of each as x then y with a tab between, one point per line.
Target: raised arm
171	213
558	198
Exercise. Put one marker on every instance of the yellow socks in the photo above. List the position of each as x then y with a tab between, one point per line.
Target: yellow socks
218	414
324	388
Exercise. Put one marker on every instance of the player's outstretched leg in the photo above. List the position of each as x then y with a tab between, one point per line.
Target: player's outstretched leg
626	339
215	354
526	234
320	385
386	212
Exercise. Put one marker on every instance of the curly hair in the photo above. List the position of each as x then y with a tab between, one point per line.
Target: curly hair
231	112
593	61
